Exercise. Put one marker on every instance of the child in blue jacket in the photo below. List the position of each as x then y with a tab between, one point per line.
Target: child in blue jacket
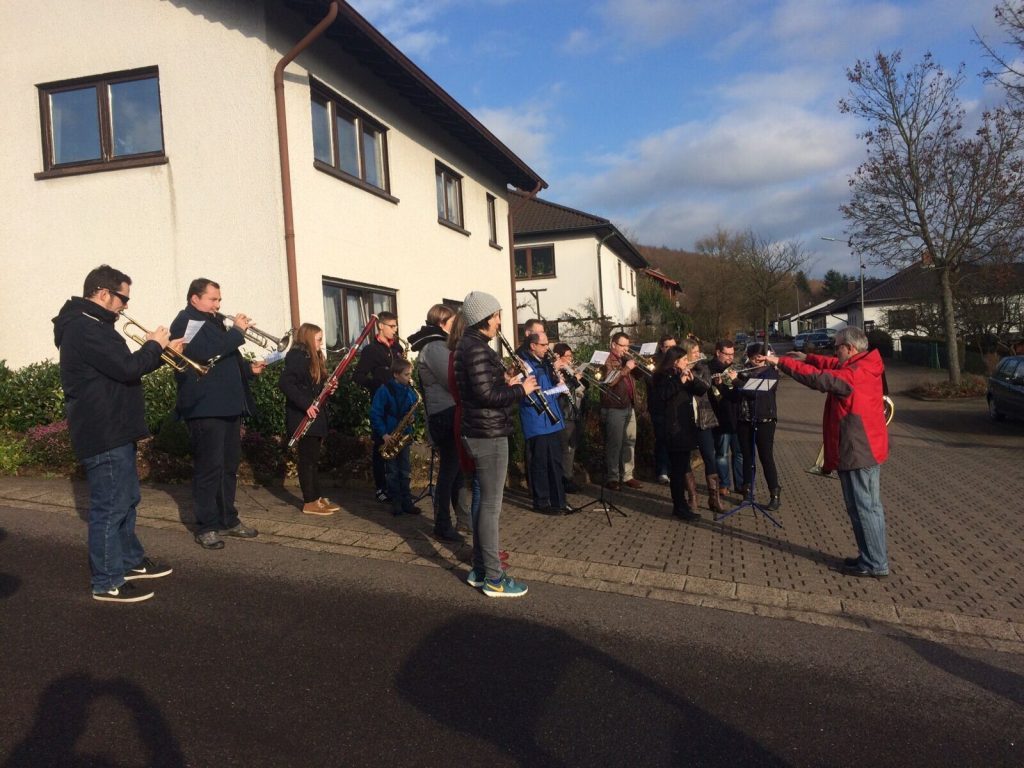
390	404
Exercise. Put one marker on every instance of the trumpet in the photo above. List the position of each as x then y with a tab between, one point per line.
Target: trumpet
261	338
644	364
171	356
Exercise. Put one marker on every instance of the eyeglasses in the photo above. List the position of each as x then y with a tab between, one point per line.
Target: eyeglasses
545	344
121	296
390	325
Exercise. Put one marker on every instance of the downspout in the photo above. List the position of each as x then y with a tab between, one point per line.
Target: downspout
512	211
282	146
600	278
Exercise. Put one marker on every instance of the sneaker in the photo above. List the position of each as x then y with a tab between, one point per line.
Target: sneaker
210	540
328	504
126	593
382	496
506	586
633	483
475	579
148	569
316	508
242	531
664	479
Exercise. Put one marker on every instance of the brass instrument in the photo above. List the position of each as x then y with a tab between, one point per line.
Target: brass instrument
262	338
399	438
538	399
171	356
888	409
644	364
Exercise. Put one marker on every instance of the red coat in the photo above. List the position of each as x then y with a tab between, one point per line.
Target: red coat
853	423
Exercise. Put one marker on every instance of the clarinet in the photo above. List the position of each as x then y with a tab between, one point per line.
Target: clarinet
538	399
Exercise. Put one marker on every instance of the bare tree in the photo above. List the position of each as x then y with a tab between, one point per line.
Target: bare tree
1005	70
766	270
928	192
713	292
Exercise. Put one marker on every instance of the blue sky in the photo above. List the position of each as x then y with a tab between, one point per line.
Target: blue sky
673	118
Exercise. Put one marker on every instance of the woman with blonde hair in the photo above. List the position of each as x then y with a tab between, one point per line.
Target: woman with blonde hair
303	378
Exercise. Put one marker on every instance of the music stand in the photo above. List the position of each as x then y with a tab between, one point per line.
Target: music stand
758	387
429	490
606	506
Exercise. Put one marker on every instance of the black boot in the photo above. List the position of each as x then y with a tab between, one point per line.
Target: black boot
685	513
773	502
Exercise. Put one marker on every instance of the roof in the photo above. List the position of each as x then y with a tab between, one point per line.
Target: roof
535	217
921	283
357	37
656	274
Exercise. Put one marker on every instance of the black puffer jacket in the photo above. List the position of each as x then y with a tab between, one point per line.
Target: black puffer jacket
675	404
487	401
101	378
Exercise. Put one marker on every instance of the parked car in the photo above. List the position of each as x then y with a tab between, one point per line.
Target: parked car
813	341
799	340
1006	389
742	339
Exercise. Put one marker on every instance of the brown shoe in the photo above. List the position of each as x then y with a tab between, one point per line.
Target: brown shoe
611	485
316	508
328	504
633	483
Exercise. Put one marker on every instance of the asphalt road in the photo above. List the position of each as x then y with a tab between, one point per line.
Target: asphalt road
261	655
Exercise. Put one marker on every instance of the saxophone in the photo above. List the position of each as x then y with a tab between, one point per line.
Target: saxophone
393	446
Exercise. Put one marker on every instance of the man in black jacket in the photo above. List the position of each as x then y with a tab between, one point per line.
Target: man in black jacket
102	383
212	407
727	405
374	370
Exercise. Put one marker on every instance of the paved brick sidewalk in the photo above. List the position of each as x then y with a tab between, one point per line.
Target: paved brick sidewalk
952	491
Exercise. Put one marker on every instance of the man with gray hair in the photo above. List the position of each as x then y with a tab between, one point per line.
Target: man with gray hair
856	439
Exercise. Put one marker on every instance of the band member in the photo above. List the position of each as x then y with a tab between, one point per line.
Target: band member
617	400
541	435
102	383
674	388
212	407
392	404
728	455
431	345
488	399
571	404
855	436
374	370
761	408
531	327
302	379
706	423
661	466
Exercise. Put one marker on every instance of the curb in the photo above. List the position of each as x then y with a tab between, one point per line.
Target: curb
770	602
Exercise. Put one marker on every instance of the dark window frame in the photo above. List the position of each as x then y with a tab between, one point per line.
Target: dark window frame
444	172
492	221
108	161
364	292
335	103
528	251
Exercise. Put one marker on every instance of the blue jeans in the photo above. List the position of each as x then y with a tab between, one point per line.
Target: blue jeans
113	496
490	454
398	471
725	442
862	494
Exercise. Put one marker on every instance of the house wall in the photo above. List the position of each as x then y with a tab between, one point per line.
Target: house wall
576	282
214	209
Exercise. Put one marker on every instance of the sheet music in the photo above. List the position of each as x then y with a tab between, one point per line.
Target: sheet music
192	329
599	357
648	348
759	385
558	390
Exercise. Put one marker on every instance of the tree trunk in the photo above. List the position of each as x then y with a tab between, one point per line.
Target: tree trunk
949	318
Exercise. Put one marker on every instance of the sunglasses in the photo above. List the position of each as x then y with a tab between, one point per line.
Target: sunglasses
121	296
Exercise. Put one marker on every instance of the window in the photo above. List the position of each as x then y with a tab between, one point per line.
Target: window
101	123
535	261
492	221
619	265
449	196
347	308
347	142
632	282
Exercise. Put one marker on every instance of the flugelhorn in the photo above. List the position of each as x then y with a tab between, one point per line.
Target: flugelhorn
171	356
262	338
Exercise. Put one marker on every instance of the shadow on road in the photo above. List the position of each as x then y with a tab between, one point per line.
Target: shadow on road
63	717
9	583
530	706
999	681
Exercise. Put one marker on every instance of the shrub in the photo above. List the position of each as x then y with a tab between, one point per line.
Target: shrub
350	408
49	445
12	454
880	340
30	396
970	386
269	416
172	438
160	392
264	454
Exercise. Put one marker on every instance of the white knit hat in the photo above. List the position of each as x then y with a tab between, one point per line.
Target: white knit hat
479	306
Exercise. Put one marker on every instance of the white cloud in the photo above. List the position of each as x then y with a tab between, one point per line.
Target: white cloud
579	41
525	129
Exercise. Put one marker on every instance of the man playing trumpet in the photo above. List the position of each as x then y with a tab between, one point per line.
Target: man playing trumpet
617	400
212	408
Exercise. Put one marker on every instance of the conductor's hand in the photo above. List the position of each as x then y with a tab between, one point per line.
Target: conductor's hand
312	411
257	367
242	322
161	336
530	385
771	359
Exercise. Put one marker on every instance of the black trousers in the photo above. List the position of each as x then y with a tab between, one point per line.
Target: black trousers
679	468
545	462
308	450
216	451
765	451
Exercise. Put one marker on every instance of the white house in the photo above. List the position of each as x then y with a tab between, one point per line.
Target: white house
144	134
568	262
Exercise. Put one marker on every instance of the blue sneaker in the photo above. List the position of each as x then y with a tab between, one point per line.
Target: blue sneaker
506	586
475	579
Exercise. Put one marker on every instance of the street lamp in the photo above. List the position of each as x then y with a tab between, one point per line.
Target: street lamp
863	318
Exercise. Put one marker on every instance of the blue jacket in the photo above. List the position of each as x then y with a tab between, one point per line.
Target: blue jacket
536	424
390	403
224	391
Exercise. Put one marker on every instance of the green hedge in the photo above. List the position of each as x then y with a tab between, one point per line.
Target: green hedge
30	396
